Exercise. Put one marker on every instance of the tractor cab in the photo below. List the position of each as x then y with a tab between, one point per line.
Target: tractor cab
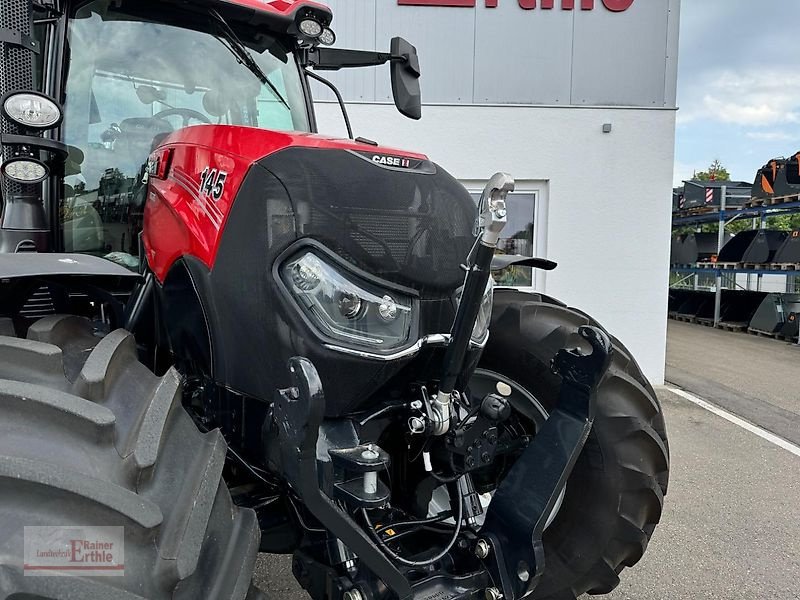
124	75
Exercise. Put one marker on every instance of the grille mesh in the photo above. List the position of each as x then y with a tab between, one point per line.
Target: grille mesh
16	69
410	227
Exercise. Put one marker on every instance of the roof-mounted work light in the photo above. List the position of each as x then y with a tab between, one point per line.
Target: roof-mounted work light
25	170
32	110
310	28
327	38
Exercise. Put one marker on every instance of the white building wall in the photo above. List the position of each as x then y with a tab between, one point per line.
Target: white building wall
605	200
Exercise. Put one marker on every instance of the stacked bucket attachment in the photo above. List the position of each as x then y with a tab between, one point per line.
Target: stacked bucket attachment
774	313
692	248
779	178
736	309
756	246
789	252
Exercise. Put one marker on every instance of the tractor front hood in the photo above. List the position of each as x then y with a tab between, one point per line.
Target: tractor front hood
391	213
399	218
393	216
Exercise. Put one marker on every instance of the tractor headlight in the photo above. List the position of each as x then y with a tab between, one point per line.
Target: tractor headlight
343	307
32	110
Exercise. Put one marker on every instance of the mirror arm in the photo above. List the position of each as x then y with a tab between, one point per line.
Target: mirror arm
348	59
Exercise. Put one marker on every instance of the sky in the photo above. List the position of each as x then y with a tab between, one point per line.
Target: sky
738	85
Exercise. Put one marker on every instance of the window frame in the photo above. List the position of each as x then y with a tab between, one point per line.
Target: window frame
539	189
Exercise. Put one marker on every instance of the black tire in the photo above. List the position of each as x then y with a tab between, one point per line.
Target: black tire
90	437
616	493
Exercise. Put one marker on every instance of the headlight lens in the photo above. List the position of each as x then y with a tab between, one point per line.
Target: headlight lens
344	308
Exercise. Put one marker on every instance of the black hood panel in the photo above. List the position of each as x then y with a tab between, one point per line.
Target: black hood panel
411	225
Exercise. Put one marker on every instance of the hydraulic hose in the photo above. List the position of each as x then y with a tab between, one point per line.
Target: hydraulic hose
415	563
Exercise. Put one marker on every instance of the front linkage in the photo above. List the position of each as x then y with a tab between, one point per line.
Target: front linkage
519	511
334	481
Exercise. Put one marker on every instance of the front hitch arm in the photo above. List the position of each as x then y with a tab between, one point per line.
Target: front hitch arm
299	412
525	499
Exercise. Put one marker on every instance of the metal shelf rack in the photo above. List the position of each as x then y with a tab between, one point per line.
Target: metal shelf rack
724	217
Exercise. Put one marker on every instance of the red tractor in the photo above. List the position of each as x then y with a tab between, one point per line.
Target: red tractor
222	333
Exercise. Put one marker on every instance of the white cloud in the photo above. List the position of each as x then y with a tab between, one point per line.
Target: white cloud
771	136
754	97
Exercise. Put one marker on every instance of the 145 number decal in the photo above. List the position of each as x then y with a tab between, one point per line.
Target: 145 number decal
212	183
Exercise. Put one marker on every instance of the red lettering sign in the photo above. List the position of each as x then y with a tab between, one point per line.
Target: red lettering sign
612	5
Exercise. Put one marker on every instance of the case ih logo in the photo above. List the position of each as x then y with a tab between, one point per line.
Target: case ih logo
392	161
612	5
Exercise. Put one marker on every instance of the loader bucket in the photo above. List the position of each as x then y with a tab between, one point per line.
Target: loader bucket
684	250
753	246
793	171
703	246
697	304
764	246
772	315
791	327
676	299
676	251
739	306
688	250
735	249
766	178
789	252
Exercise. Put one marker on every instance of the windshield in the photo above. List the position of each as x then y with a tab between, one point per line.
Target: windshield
132	81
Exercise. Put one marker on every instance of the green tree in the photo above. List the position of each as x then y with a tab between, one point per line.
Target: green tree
715	172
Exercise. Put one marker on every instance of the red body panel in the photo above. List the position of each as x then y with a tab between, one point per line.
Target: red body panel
283	8
185	212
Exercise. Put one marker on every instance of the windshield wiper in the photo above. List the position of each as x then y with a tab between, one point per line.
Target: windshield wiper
242	54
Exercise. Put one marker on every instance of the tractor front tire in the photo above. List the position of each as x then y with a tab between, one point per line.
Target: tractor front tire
89	437
615	494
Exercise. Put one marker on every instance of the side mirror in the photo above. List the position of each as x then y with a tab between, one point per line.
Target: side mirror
147	94
405	78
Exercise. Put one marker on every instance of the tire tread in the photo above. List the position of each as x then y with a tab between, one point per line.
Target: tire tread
119	419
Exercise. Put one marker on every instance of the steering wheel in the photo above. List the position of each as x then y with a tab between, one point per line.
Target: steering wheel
187	113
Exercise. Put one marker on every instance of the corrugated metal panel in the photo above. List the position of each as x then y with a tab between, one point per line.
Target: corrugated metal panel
354	23
508	55
620	58
673	35
523	57
445	39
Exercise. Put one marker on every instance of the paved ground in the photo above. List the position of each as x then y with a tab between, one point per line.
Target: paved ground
731	527
756	378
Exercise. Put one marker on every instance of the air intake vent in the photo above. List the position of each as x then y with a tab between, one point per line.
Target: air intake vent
40	304
26	246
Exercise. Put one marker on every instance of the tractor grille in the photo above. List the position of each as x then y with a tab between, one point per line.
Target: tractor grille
410	227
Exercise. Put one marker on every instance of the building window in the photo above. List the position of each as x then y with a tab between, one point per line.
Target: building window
518	237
